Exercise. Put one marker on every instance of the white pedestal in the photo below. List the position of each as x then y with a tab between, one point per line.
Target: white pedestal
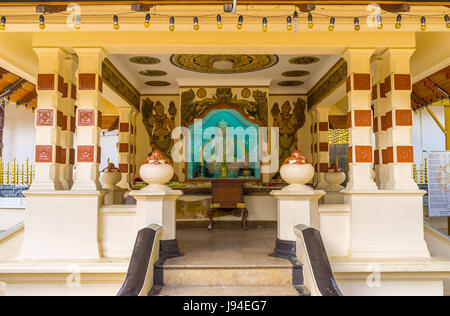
296	204
114	196
156	204
61	225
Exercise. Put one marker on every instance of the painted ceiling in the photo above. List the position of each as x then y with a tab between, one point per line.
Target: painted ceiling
165	74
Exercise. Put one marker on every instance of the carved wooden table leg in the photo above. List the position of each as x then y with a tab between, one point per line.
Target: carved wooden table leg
210	219
244	218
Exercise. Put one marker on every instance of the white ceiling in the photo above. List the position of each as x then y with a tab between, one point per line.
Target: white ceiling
178	77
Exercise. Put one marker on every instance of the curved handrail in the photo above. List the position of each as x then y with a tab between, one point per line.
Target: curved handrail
319	278
139	279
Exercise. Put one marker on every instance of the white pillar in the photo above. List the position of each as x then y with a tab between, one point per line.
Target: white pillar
359	119
125	146
323	148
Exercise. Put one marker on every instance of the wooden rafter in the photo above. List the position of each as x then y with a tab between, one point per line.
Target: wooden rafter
12	88
27	98
438	91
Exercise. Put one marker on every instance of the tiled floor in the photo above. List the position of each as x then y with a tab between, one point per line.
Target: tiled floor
227	247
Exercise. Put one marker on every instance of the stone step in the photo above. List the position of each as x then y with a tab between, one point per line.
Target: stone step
256	290
225	275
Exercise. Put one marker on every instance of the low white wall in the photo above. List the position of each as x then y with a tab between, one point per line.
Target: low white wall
334	223
10	217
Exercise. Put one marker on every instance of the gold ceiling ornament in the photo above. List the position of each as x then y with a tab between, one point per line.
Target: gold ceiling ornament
290	83
201	93
246	93
304	60
223	64
295	73
153	73
145	60
157	83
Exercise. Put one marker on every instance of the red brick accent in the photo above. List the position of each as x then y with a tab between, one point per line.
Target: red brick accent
72	124
402	81
123	167
363	118
361	82
59	119
124	127
323	146
315	147
315	128
363	153
316	167
99	119
323	167
43	153
65	91
44	117
323	126
123	148
405	154
387	84
85	153
388	120
131	149
349	119
46	82
61	84
376	156
375	124
384	156
58	158
86	81
99	154
64	123
382	90
86	117
383	123
390	155
72	156
403	118
73	91
374	92
350	154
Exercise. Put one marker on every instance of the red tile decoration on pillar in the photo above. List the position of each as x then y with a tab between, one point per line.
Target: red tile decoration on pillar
124	127
85	153
65	91
363	118
72	156
382	90
323	167
403	117
46	82
387	84
402	81
131	149
73	91
59	119
363	153
376	155
64	156
86	117
350	154
361	82
390	155
349	119
315	128
123	167
44	117
99	119
323	146
375	124
123	148
43	153
388	120
383	123
99	154
86	81
384	156
61	84
72	124
405	154
315	147
323	126
58	154
374	92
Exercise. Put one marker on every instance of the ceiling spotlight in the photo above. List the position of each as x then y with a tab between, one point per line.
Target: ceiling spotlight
379	22
77	25
398	24
264	24
147	20
240	21
196	26
423	23
310	21
447	20
219	22
41	22
116	22
172	24
356	22
331	26
289	23
3	23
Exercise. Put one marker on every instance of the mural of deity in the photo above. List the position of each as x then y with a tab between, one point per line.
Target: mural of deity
159	125
288	122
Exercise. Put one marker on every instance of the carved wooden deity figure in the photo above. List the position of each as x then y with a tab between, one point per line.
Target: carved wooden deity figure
159	125
288	124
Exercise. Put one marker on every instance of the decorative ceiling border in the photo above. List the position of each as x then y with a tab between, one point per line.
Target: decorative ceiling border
329	82
119	84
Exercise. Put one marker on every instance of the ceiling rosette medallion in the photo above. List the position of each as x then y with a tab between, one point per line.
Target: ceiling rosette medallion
304	60
153	73
157	83
295	73
223	64
145	60
290	83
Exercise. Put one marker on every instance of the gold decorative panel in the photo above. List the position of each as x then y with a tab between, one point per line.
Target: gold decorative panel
304	60
223	64
145	60
295	73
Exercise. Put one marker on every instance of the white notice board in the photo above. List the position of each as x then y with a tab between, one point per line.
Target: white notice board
439	183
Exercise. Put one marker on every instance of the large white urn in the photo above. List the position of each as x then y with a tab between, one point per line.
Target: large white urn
297	171
110	176
334	177
156	170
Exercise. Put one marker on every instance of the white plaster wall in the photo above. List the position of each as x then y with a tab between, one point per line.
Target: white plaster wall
108	143
19	135
432	136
